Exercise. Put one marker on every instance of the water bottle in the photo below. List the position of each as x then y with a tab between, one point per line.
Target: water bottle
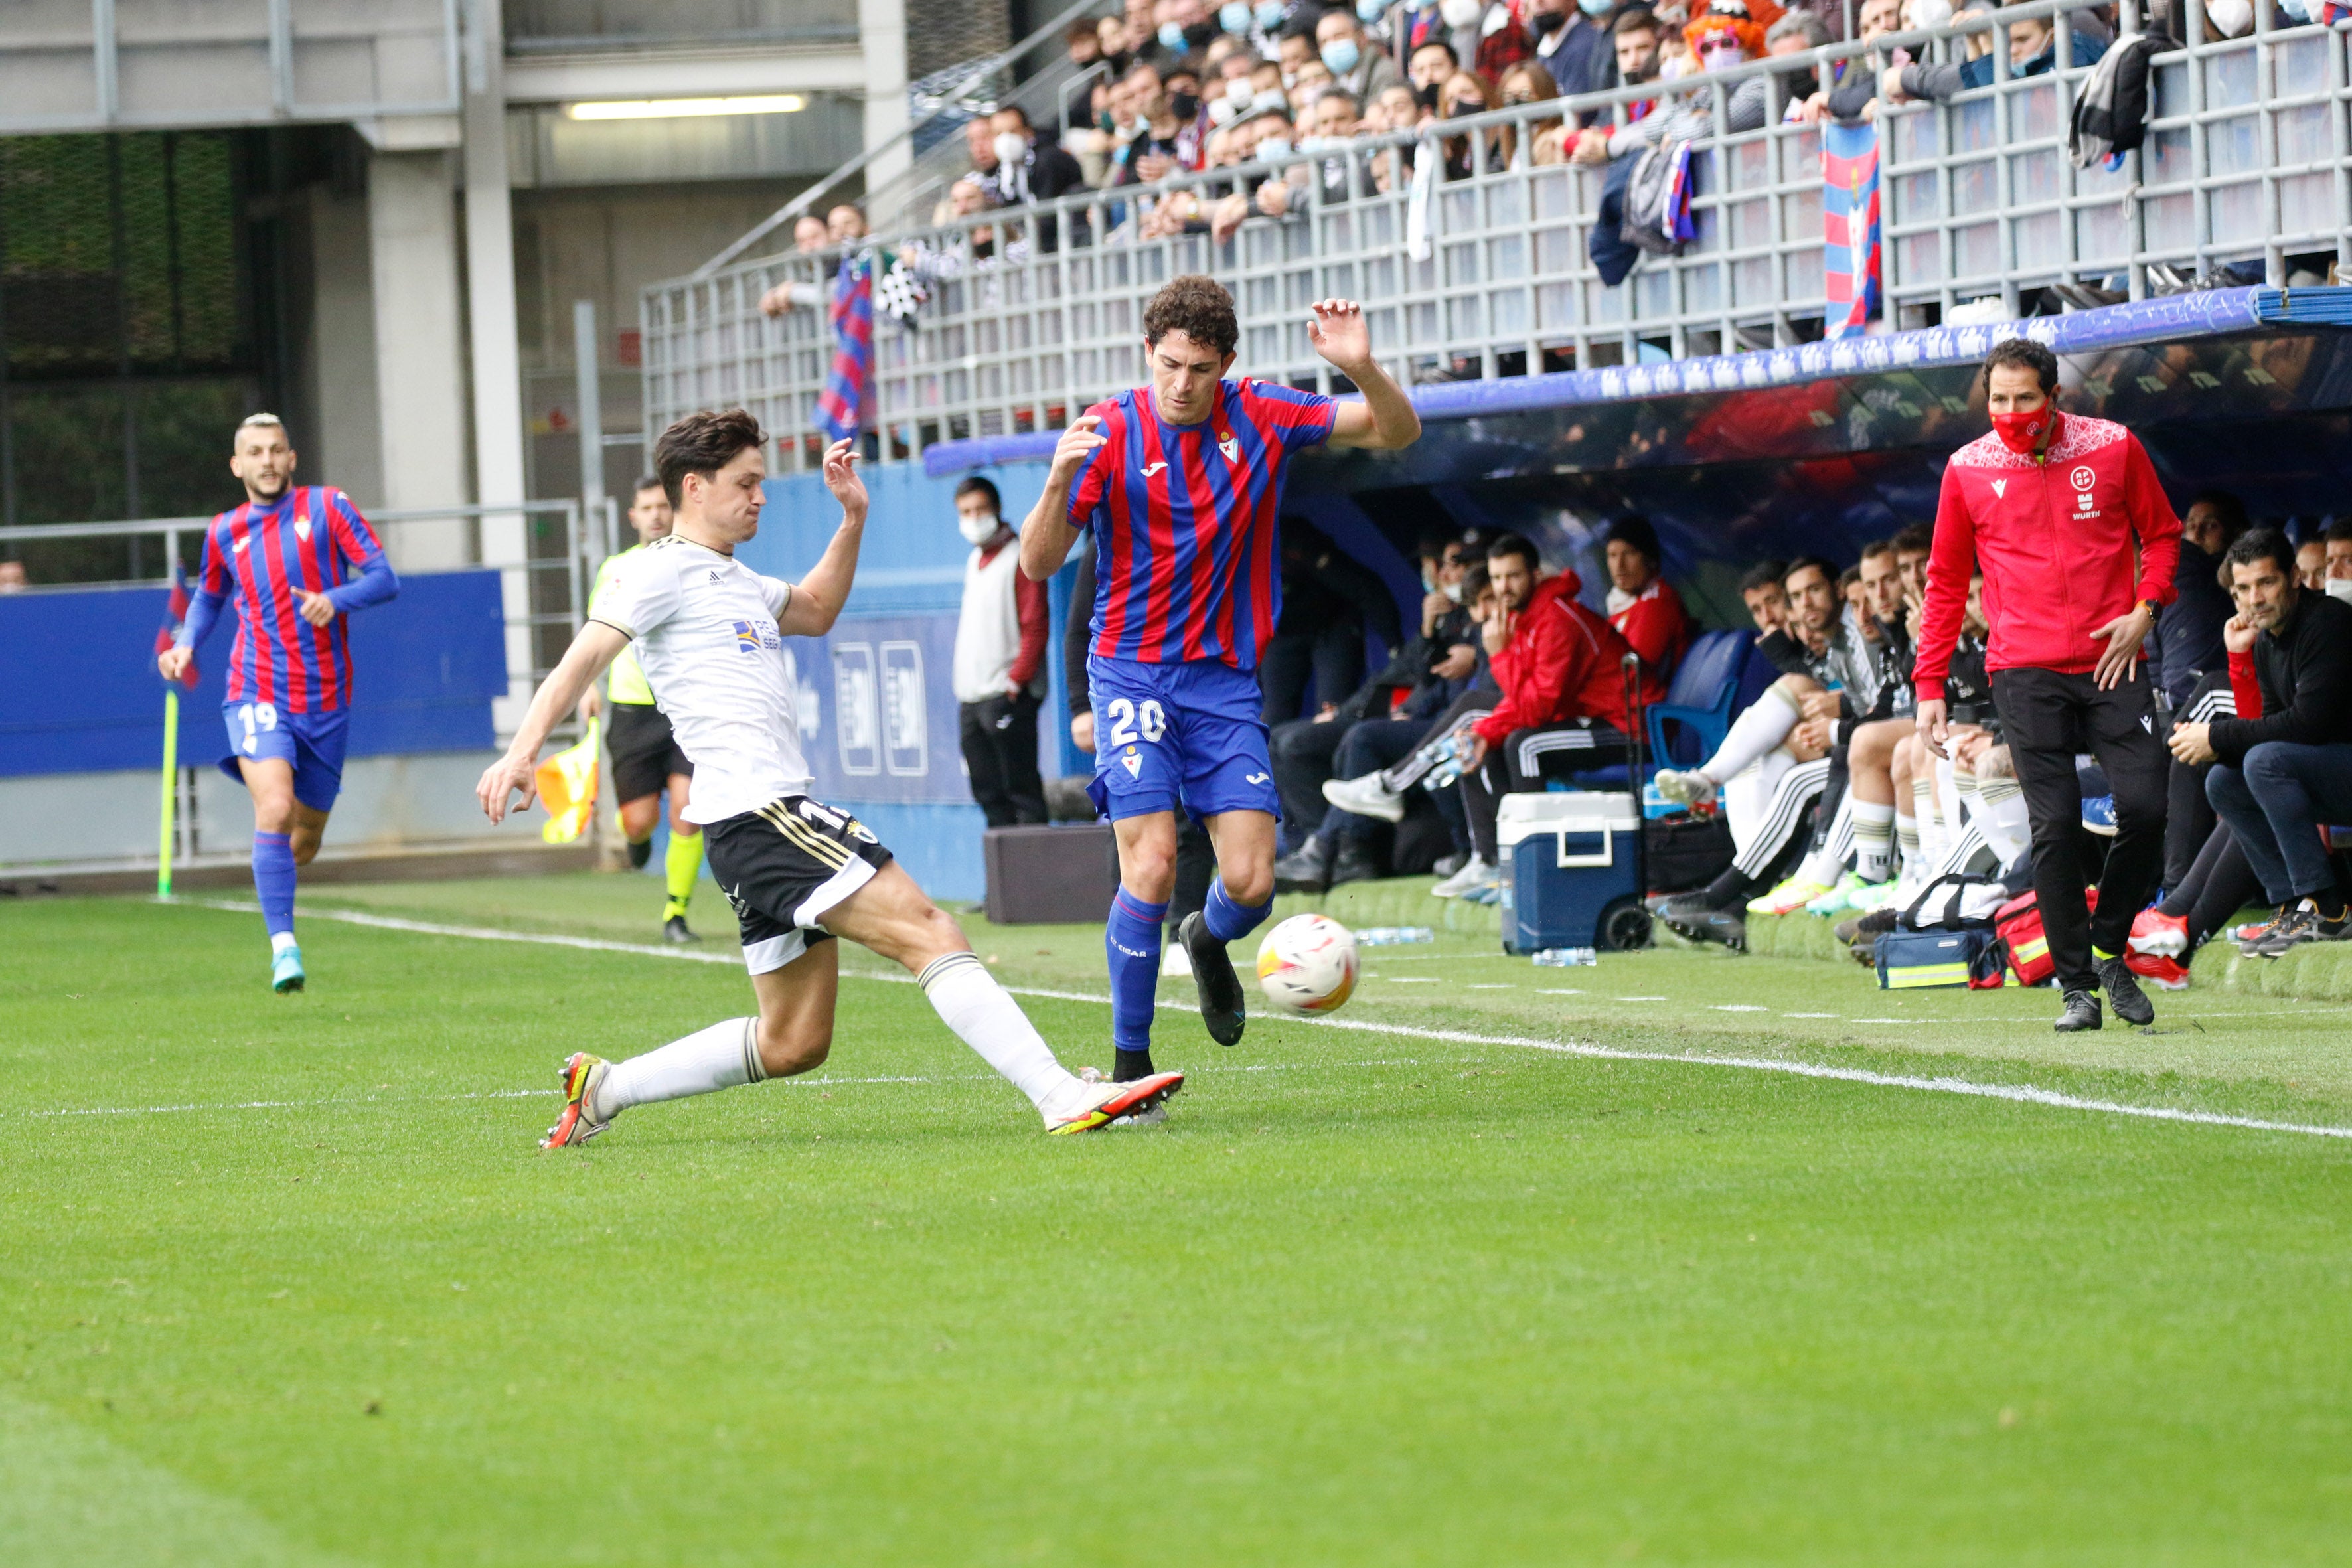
1566	957
1446	768
1393	936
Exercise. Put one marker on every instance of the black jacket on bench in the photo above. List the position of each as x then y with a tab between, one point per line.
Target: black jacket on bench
2305	671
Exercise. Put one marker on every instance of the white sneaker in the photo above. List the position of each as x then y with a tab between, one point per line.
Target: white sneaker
1366	796
1470	879
1685	787
1174	960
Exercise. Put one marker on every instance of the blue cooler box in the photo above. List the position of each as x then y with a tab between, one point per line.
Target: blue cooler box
1568	871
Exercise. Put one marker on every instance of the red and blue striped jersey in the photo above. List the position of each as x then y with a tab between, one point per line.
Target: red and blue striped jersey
1187	565
310	538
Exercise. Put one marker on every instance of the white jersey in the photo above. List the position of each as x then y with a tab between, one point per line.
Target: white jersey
704	626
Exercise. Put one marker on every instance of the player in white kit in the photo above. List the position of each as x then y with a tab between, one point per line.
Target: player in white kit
708	632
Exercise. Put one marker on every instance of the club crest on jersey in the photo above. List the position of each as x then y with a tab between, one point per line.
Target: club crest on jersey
1230	444
1132	764
752	638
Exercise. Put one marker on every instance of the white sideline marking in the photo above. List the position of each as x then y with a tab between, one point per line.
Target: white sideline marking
2024	1094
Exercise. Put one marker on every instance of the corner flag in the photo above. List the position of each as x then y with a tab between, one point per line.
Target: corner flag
567	787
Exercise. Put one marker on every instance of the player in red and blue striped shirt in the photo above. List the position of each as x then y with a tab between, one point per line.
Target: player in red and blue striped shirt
294	560
1181	483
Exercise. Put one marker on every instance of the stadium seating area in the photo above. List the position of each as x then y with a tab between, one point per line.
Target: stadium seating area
1546	186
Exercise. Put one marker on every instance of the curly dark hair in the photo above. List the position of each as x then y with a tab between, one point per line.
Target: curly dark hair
2031	355
1197	307
702	443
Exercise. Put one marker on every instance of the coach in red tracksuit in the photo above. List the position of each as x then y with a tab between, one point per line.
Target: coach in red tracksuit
2050	507
1562	676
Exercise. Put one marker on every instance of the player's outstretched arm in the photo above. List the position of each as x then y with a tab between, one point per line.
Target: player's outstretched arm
596	646
1384	421
818	598
1046	534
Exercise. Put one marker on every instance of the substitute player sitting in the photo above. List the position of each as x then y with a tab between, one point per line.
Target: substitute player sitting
646	758
1181	482
287	555
708	632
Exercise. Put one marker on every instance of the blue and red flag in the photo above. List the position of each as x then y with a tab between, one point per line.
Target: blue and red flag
1849	227
840	408
175	615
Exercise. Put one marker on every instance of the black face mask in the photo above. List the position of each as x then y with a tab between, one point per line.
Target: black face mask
1426	96
1198	35
1185	104
1547	22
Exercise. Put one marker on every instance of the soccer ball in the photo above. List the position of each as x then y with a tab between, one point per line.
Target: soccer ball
1307	964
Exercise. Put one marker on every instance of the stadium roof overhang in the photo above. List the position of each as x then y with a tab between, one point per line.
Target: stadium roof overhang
2248	389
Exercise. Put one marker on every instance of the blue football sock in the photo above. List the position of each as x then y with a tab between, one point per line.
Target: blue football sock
1231	921
273	880
1132	944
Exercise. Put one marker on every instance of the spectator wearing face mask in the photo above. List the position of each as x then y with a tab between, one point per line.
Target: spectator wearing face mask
1466	93
1327	129
1730	33
1425	74
1155	151
2337	585
1029	171
999	663
1255	24
2032	52
1182	27
1356	63
1573	41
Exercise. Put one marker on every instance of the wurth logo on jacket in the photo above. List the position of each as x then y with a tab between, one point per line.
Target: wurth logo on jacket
1563	662
2054	538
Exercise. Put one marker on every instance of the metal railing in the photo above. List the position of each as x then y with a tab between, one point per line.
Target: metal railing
1487	272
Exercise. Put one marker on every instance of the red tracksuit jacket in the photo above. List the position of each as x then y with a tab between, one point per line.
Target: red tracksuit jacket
1563	662
2054	541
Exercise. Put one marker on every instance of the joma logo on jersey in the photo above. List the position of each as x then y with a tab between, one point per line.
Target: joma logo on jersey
752	638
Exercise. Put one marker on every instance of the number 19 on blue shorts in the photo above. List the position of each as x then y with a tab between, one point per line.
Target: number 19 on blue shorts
311	743
1170	735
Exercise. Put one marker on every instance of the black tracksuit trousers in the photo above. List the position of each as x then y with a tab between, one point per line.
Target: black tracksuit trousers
2048	717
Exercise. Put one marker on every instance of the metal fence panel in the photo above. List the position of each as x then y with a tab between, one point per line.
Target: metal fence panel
1034	314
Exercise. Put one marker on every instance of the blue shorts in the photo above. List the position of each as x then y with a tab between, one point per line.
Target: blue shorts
311	742
1177	734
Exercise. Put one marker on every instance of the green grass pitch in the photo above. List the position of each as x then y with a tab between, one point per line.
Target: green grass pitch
286	1280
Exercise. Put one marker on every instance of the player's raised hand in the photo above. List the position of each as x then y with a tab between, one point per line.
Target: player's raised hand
316	608
1077	443
1340	332
841	478
502	778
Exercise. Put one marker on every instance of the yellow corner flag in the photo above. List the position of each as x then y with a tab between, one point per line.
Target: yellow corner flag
567	787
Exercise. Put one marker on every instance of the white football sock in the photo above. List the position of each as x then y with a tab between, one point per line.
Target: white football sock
723	1056
1826	864
1743	798
1906	842
1929	837
969	1000
2005	829
1948	799
1765	725
1873	839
